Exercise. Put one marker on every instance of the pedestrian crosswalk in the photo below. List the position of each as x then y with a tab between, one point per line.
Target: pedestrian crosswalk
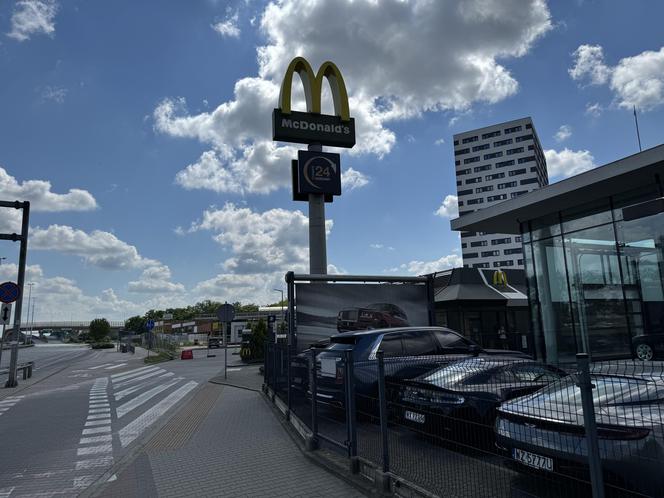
121	407
8	402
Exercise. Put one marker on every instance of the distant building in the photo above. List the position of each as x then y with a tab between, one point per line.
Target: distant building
494	164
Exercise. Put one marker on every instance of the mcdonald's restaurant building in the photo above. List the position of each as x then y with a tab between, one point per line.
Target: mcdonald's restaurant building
594	256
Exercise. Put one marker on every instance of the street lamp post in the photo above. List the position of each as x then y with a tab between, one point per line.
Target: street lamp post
27	315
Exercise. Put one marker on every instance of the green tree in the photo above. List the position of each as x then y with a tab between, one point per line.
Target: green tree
99	329
136	324
257	339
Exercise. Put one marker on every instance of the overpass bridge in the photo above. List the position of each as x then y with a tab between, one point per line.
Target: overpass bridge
70	325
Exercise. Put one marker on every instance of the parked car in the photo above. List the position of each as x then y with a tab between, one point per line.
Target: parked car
459	401
545	431
408	352
371	316
214	342
648	347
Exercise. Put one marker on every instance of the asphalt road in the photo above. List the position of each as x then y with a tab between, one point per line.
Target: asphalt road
85	410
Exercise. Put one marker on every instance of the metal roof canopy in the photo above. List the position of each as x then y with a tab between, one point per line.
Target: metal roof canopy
619	176
473	284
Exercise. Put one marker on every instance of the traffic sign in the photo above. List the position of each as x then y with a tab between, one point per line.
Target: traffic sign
5	313
271	318
226	312
9	292
149	324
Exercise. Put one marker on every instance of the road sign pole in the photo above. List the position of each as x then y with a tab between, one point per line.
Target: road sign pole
23	256
317	241
2	343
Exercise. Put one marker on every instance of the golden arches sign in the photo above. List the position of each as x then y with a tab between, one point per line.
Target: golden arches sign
499	277
313	87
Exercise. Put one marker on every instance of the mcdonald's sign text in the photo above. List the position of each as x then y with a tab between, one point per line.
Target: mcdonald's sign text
309	128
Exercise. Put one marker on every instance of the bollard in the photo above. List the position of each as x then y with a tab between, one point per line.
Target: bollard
314	401
594	461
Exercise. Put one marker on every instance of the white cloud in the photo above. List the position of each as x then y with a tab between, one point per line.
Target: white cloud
423	267
274	240
97	248
156	280
589	64
381	246
449	208
563	133
639	80
55	94
60	299
440	141
32	17
635	81
352	179
38	192
397	84
565	163
594	110
228	28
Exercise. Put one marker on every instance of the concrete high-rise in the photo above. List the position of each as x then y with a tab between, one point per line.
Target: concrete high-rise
493	164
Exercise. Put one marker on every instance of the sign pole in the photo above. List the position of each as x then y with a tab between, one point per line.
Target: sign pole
317	241
23	256
2	342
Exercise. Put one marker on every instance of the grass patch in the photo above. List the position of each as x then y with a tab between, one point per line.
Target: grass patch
158	358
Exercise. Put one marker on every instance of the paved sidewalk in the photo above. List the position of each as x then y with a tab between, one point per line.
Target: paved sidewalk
228	442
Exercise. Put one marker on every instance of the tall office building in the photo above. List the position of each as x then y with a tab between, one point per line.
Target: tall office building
494	164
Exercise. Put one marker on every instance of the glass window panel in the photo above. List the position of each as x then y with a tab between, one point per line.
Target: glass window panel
597	292
586	216
641	247
634	197
525	232
544	227
554	300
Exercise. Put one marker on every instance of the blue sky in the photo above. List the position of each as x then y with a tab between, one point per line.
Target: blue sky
157	115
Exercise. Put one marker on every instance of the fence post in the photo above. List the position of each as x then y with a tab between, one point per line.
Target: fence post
383	480
274	372
594	461
266	352
288	381
351	418
313	444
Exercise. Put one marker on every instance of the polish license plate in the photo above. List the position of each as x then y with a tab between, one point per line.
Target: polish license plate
533	460
414	417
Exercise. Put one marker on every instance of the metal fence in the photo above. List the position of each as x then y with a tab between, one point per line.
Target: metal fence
482	425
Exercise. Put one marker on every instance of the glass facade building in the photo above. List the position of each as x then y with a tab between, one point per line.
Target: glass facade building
596	279
594	258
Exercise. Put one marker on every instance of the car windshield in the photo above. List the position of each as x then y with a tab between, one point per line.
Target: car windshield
608	390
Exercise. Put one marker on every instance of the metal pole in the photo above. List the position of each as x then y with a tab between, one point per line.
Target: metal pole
638	135
317	241
314	400
382	399
2	342
225	350
594	461
351	415
27	315
23	256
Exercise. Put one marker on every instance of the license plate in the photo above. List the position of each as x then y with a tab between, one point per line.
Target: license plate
532	459
328	367
414	416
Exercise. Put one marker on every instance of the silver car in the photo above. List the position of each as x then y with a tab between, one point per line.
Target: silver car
545	431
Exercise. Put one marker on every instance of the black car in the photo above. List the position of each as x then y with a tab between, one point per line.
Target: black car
459	401
408	352
544	432
648	347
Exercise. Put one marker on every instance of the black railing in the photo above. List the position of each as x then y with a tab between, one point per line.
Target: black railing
482	425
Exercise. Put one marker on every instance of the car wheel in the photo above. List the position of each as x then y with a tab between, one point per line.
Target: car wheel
644	352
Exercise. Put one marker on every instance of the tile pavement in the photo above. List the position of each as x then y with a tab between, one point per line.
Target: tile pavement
240	449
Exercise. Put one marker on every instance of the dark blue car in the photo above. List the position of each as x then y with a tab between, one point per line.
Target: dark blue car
408	352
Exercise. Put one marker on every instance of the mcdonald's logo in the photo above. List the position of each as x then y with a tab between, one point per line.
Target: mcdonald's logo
313	87
312	126
499	278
